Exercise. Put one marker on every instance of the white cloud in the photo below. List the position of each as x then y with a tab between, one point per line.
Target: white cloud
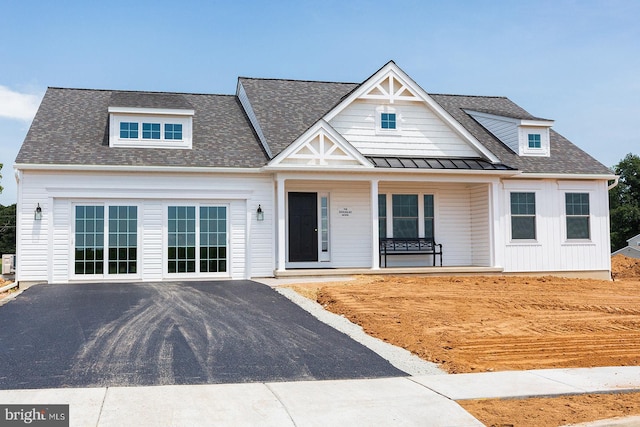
16	105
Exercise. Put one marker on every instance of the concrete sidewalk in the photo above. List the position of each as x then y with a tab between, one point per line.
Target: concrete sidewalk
420	400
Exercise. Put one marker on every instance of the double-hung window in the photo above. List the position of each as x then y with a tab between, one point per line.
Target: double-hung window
405	215
523	216
577	211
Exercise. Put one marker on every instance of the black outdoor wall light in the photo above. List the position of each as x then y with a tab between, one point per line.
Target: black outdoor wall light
38	213
260	214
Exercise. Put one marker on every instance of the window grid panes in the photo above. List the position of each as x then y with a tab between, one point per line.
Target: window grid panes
388	121
428	216
382	215
89	240
534	140
123	239
150	130
577	210
129	130
324	223
405	215
181	245
213	239
523	216
172	131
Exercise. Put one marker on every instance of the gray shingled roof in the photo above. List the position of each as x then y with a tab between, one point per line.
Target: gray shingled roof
287	108
565	157
71	127
149	100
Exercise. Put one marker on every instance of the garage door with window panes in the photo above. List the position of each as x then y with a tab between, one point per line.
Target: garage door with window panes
121	228
197	239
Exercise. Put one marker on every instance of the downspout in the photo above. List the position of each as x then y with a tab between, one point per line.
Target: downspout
615	183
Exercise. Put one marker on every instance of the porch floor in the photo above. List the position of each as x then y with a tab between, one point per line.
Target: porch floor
424	271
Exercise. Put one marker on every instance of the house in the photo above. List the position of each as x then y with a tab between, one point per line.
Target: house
290	176
632	250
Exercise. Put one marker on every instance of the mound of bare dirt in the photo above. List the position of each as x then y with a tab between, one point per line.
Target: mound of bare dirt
623	267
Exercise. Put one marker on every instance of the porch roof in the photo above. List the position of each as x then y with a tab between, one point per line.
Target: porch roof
436	163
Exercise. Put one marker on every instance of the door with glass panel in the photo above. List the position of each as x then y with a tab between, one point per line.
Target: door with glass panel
197	239
118	253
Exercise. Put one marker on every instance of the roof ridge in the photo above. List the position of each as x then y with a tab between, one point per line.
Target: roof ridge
298	80
468	96
141	91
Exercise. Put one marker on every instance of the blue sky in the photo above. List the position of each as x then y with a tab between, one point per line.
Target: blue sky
576	62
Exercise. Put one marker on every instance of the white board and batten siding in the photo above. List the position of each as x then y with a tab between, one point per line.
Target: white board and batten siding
420	132
551	250
45	249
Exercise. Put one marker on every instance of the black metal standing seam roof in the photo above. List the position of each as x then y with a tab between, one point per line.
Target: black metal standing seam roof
72	127
435	163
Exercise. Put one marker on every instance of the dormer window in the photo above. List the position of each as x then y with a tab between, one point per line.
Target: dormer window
151	131
150	120
534	140
129	130
525	135
172	131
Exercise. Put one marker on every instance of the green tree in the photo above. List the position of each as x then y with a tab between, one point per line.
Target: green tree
8	229
624	202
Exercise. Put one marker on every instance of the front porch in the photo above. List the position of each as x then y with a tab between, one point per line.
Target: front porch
420	271
337	220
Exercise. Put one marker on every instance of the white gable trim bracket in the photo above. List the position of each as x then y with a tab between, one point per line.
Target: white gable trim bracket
391	84
320	147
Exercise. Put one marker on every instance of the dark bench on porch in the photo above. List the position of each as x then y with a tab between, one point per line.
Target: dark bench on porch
409	246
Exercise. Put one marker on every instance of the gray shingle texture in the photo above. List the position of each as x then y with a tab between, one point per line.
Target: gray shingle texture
71	127
287	108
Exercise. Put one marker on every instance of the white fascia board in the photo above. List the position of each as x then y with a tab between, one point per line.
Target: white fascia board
131	168
568	176
402	173
519	122
409	176
152	111
391	67
320	125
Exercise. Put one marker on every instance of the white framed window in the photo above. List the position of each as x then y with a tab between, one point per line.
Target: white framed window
578	216
534	141
406	215
388	120
128	130
523	215
325	252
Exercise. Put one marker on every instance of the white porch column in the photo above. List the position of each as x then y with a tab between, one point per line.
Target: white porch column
282	250
375	233
496	257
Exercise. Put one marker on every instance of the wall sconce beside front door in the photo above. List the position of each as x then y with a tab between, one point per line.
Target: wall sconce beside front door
38	213
260	214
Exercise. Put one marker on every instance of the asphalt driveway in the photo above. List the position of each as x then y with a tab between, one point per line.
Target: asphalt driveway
170	333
